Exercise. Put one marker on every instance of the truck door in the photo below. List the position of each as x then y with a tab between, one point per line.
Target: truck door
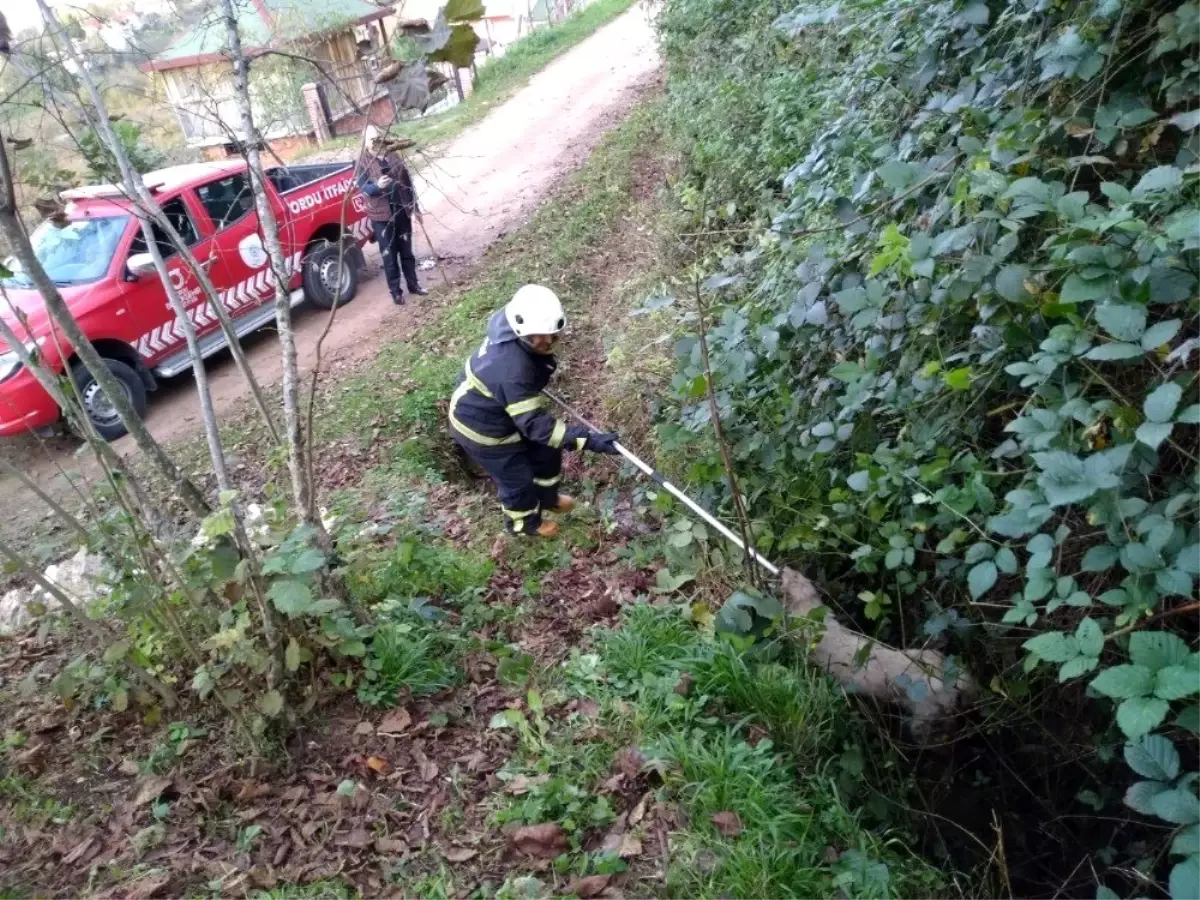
240	268
160	333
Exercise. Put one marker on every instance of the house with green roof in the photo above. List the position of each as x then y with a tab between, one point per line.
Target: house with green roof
294	100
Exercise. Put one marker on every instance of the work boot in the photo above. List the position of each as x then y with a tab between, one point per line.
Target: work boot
563	505
547	529
419	291
398	299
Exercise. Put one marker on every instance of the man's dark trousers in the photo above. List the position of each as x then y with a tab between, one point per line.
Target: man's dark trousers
395	246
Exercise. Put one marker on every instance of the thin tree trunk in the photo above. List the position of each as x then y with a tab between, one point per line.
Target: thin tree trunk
297	468
212	434
57	308
135	187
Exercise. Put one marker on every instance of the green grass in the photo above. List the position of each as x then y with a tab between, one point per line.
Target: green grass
24	801
328	889
797	837
406	656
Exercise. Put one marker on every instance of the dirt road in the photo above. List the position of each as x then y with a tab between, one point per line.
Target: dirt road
481	185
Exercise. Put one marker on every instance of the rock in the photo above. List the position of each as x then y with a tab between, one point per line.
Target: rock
81	577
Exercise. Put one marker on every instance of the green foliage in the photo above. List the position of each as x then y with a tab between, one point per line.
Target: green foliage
951	263
406	656
102	168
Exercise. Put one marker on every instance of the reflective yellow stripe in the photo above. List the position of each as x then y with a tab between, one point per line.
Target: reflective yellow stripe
548	482
517	514
559	432
475	382
525	406
580	443
469	433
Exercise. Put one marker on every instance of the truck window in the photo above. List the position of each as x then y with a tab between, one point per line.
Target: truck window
75	253
226	199
177	214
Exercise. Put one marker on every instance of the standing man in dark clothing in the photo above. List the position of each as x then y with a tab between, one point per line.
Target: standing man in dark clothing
498	413
391	207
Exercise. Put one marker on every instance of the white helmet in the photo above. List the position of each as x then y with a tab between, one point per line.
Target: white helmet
535	309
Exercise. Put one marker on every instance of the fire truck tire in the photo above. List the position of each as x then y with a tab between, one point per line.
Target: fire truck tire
97	405
321	275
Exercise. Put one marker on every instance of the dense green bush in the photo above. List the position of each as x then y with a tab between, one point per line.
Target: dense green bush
953	265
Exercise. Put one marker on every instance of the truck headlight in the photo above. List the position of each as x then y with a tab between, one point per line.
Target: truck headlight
9	364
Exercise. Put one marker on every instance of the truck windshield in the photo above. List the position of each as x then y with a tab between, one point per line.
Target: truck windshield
75	253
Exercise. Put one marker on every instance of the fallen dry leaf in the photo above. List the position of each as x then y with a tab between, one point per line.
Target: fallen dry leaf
591	886
251	790
639	812
395	722
727	823
378	764
544	841
459	854
82	851
388	846
629	762
147	887
358	839
364	728
129	767
684	687
427	766
631	846
150	789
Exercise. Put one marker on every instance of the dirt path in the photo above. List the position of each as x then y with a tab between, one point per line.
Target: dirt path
481	186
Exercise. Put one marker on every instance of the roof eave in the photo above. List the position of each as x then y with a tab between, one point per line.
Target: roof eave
203	59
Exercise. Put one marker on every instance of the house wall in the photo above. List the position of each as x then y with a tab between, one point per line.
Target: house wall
380	113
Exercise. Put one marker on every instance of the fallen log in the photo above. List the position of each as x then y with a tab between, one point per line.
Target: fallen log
915	680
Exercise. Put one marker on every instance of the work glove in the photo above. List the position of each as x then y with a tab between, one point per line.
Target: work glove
602	442
384	182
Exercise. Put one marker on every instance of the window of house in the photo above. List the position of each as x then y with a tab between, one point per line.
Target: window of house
227	199
177	214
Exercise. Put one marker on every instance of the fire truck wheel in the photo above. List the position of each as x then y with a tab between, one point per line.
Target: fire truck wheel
96	403
322	286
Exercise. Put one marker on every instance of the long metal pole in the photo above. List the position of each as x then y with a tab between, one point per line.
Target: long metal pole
654	475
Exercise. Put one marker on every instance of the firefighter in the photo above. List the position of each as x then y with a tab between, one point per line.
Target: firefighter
499	415
391	206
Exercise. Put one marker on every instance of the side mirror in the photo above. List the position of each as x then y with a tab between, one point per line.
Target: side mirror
140	265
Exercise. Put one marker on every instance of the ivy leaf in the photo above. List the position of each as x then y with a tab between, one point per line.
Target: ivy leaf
1077	289
270	704
1178	806
1162	333
1160	404
1176	682
1188	559
1099	558
1159	180
1139	715
1010	283
292	598
203	682
1068	479
860	480
1156	650
464	10
1153	757
1006	561
308	561
1152	434
1186	842
1139	557
1054	646
1114	351
1186	121
1189	718
1173	582
1080	665
1141	794
1190	416
1089	637
291	656
1184	880
1122	682
958	379
981	578
1124	321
